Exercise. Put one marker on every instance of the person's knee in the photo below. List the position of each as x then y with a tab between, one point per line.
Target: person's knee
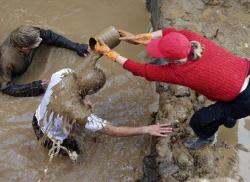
230	122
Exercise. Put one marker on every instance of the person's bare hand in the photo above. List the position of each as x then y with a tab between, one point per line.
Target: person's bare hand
161	130
88	103
44	84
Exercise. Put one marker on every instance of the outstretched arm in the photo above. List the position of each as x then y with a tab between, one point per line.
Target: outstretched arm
52	38
161	130
143	38
20	90
149	71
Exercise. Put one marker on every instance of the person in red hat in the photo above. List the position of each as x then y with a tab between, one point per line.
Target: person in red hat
200	64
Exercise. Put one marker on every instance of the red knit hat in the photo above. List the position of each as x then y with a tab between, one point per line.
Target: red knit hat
172	46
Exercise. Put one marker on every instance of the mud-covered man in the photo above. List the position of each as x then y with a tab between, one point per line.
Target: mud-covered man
64	102
16	54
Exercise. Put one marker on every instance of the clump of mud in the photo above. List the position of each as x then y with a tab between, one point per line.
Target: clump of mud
68	95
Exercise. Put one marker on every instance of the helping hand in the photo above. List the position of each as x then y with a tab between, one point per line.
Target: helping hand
143	39
44	84
162	130
83	50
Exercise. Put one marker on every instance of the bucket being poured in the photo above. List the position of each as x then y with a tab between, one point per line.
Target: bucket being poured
109	36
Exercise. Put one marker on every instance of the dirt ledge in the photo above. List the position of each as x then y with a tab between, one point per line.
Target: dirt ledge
227	22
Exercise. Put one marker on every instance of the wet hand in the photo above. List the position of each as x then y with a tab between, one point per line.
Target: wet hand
44	84
143	39
161	130
83	50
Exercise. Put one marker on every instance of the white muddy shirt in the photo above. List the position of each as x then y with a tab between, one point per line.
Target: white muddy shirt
56	131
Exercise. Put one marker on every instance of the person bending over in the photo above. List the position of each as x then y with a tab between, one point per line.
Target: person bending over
200	64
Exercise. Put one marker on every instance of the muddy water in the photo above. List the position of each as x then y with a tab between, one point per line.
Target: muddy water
239	135
125	100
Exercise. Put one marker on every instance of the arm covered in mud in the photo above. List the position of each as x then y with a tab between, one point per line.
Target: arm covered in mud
19	90
161	130
34	88
52	38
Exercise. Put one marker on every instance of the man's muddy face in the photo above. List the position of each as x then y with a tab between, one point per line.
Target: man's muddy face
27	50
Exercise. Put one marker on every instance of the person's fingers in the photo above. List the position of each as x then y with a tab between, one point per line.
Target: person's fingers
161	135
124	33
129	37
165	129
45	82
165	125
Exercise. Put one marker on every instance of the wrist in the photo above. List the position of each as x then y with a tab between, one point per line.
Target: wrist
121	60
145	130
157	34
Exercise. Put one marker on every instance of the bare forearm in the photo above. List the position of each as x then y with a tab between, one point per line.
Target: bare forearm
124	131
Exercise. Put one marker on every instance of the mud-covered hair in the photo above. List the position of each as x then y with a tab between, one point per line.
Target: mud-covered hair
24	36
91	82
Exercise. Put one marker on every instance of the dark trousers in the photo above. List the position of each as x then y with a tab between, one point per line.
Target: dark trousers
207	120
70	143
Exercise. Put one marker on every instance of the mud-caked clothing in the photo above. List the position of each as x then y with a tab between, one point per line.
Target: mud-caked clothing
53	126
14	63
218	74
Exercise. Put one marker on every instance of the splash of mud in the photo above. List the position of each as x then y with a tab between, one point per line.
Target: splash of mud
68	95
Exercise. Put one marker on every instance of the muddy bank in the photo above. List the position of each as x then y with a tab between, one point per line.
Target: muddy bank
228	24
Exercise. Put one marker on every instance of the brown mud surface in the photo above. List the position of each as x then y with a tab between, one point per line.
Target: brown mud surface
67	99
227	22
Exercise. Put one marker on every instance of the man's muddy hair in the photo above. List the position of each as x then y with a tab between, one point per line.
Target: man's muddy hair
25	36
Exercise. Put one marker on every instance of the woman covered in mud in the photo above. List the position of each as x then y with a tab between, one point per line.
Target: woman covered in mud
64	107
16	54
196	62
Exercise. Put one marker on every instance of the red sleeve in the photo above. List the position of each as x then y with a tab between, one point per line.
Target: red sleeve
165	31
151	72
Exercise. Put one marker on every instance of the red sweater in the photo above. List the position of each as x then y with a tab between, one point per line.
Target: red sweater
218	74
